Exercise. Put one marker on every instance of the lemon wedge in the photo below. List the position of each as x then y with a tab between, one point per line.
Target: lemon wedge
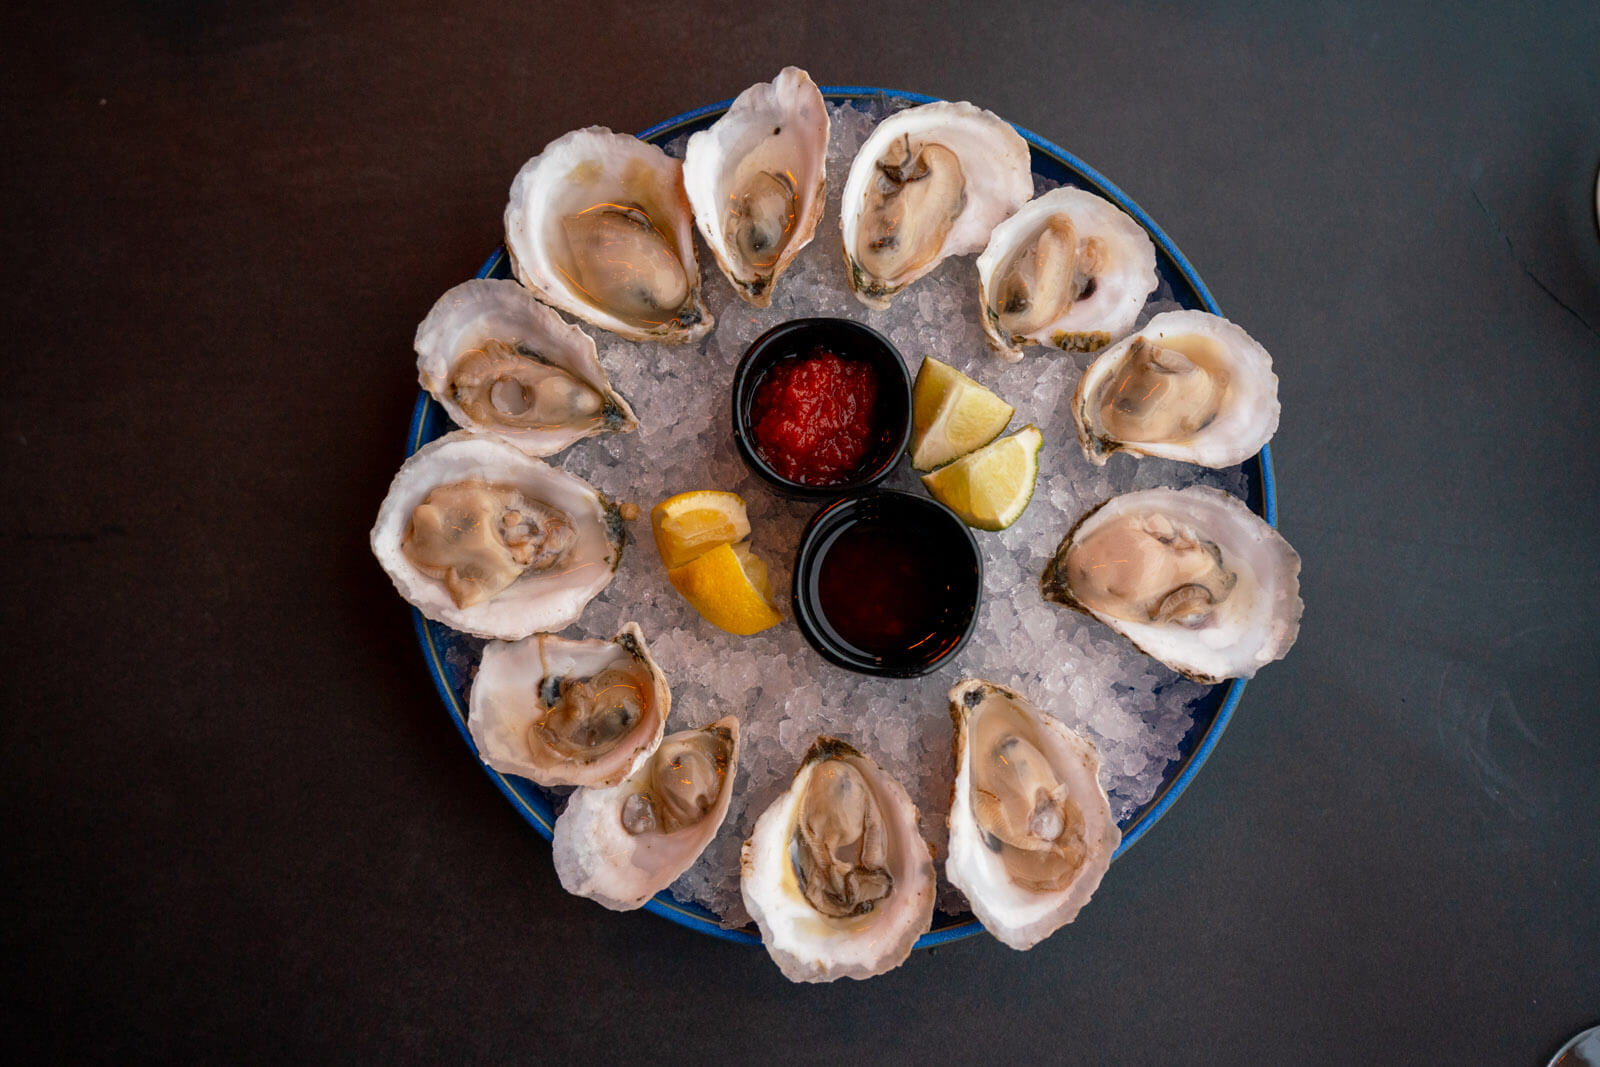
951	415
990	489
728	586
693	523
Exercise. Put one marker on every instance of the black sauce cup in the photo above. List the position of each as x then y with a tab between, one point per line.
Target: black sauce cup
848	340
945	578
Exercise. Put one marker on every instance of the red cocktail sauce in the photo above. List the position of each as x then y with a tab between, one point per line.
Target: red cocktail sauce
813	417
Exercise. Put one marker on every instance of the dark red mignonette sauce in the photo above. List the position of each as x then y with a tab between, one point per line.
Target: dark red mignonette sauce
885	589
814	417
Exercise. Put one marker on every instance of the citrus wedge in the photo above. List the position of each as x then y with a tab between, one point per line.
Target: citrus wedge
728	586
951	415
990	489
690	524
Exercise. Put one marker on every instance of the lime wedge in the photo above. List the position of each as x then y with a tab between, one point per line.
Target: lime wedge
951	415
990	489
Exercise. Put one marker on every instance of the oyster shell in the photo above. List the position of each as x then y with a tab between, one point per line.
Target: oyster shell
1069	270
499	361
1031	832
1190	386
486	539
836	874
598	226
563	712
622	845
929	182
757	180
1191	576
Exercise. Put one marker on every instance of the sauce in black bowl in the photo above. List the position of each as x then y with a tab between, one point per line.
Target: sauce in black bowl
883	428
887	583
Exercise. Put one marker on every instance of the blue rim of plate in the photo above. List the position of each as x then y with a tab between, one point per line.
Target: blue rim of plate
1212	712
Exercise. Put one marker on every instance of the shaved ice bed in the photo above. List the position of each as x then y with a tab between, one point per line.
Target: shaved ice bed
1134	709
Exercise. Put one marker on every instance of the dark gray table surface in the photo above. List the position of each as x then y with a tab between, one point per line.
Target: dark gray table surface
237	820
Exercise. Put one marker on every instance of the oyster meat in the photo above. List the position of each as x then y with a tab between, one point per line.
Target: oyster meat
486	539
1191	576
1069	270
1190	386
598	226
836	873
564	712
757	180
499	361
930	182
1031	832
622	845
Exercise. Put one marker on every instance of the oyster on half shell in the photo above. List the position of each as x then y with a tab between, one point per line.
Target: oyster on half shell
565	712
1189	386
757	180
488	540
929	182
500	362
1191	576
621	845
1069	270
1031	832
836	873
598	226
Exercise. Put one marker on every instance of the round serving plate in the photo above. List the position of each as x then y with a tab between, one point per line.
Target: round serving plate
451	656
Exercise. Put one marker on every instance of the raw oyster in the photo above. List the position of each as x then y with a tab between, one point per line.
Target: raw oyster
757	181
836	873
598	226
1031	832
1189	386
1191	576
486	539
563	712
501	362
1069	270
621	846
930	182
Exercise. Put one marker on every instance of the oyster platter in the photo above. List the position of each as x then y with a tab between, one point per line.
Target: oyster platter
727	775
